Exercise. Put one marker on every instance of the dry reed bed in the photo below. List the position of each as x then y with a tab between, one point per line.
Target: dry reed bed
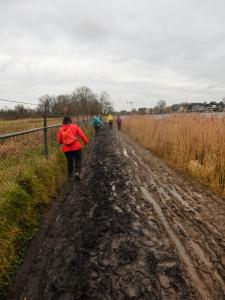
192	143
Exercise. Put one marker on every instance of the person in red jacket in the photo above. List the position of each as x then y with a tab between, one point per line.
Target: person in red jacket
69	136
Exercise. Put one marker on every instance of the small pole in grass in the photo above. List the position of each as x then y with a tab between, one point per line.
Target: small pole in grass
45	130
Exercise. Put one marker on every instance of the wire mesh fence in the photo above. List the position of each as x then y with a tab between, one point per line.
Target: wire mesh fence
21	150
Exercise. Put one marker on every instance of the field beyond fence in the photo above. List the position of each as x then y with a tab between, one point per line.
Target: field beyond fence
192	143
7	126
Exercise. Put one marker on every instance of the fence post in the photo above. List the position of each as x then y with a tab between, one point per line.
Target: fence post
45	131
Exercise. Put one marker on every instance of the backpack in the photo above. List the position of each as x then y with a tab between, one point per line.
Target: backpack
68	137
97	122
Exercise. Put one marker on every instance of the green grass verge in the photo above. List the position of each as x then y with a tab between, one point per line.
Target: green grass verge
22	207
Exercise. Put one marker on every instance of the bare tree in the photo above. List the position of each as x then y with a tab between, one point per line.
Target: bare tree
106	105
161	105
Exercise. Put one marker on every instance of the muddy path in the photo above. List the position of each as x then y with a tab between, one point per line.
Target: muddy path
132	229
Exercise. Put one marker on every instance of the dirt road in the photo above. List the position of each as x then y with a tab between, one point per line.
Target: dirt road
133	229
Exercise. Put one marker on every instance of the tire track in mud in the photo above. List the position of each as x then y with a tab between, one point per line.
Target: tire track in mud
127	231
196	281
174	200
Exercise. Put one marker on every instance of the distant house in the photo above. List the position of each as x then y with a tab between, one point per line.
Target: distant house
142	110
197	108
123	112
150	111
210	108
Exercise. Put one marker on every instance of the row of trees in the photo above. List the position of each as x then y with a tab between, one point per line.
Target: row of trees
19	111
82	102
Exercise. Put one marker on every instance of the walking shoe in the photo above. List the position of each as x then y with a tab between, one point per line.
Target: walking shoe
77	176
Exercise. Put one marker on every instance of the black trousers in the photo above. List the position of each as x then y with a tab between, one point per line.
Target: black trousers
96	129
73	157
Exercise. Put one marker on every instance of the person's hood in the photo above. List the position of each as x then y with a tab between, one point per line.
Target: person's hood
65	126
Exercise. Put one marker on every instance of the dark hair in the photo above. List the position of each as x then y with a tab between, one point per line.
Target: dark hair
67	120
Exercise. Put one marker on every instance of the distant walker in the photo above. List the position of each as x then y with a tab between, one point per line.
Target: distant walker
110	121
96	123
118	122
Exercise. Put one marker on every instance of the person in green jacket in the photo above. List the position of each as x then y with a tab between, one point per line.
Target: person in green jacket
96	123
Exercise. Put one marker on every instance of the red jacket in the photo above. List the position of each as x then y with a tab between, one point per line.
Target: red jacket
77	131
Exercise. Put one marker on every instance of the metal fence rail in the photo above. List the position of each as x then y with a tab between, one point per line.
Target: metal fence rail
20	150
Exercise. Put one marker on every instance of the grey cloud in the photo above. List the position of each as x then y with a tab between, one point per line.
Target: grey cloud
139	49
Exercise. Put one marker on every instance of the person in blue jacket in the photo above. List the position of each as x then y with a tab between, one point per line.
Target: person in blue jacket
96	123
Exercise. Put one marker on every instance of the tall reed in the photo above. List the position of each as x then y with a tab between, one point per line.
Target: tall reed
192	143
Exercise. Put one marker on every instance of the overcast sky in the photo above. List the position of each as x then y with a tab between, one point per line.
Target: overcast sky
137	50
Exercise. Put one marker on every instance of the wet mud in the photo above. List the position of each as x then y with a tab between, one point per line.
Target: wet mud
132	229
